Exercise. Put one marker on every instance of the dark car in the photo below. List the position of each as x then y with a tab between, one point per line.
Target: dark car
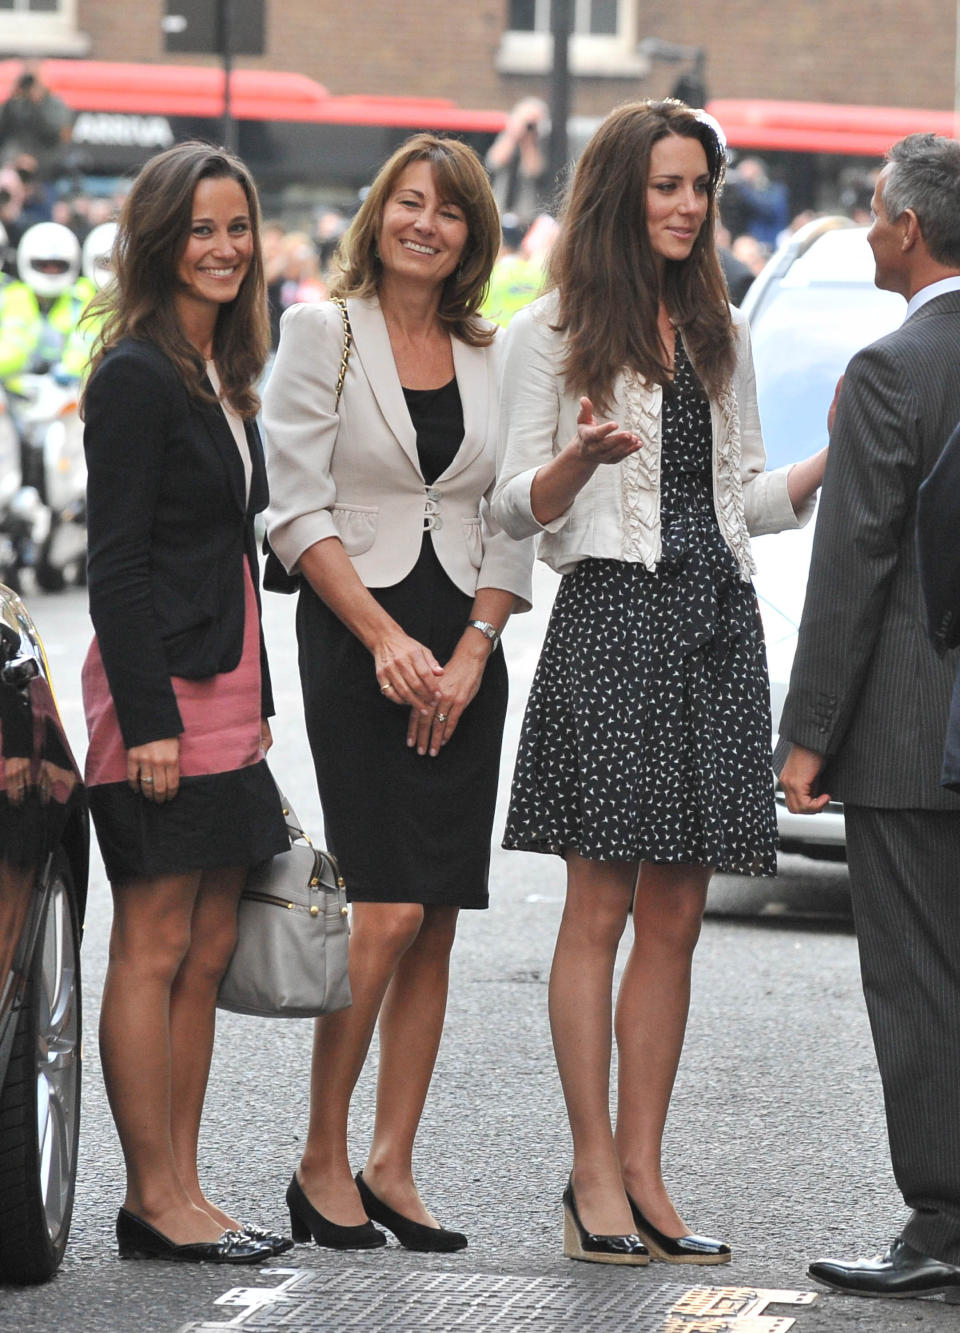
44	840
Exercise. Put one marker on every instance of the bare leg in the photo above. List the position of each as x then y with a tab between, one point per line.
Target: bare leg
381	935
193	1002
651	1020
411	1025
149	940
595	913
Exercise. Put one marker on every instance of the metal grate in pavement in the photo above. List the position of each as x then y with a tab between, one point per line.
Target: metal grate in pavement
308	1301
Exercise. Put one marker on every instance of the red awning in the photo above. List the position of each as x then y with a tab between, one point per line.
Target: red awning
255	94
824	127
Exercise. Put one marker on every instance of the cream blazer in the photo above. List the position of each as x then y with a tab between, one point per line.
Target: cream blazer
617	513
352	472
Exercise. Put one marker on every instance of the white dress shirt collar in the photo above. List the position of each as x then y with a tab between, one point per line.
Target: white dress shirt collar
927	293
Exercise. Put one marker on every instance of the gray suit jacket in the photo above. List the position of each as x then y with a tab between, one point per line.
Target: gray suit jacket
867	688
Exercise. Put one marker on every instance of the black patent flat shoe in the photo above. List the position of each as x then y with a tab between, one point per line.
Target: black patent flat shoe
579	1243
901	1272
678	1249
411	1235
278	1244
305	1222
137	1239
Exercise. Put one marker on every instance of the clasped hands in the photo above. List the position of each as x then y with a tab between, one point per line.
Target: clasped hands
409	674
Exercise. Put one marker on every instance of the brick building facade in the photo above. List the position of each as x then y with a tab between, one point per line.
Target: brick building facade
868	51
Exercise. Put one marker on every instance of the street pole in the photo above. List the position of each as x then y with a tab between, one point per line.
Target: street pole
561	21
225	25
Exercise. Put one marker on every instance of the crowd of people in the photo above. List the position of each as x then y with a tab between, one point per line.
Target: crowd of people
415	460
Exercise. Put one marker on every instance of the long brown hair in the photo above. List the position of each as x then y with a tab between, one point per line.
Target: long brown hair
153	231
460	179
603	267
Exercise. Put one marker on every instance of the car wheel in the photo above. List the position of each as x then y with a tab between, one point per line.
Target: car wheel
40	1099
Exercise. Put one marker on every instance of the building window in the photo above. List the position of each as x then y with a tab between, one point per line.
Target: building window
32	6
603	42
41	28
589	16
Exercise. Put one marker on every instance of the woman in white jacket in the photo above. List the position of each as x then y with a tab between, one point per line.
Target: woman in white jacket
631	443
379	500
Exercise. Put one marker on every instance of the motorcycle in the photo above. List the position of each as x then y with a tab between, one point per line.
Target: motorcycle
45	518
24	518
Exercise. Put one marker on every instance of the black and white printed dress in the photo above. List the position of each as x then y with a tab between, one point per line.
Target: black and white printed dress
647	731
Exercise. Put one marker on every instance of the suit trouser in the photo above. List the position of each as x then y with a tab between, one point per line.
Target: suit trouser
905	886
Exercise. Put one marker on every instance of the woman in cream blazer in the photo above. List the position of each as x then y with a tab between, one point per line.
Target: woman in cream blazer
631	445
352	471
616	515
380	501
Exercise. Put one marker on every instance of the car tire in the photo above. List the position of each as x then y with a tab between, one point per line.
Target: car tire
40	1098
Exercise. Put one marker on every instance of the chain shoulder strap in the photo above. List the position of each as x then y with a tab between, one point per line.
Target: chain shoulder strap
341	305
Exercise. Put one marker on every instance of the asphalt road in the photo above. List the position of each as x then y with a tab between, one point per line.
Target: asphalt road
776	1138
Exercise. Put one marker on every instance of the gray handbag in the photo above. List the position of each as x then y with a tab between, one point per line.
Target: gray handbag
291	959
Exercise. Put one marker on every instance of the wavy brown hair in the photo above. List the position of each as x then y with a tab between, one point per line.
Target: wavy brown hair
139	302
604	269
460	179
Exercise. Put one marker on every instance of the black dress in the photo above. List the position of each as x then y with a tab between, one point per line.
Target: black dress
404	827
647	731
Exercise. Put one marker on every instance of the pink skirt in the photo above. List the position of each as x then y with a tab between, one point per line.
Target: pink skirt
227	811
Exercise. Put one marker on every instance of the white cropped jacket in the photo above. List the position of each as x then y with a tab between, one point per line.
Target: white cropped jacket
617	513
350	470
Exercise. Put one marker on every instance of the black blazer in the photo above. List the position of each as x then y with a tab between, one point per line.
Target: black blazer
168	531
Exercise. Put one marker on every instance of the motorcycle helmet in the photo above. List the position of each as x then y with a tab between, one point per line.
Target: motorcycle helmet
97	253
48	258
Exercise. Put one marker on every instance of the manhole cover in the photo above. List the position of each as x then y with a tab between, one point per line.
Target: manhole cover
440	1302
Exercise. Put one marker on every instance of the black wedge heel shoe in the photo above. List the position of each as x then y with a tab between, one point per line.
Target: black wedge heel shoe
679	1249
411	1235
305	1222
278	1244
579	1243
137	1239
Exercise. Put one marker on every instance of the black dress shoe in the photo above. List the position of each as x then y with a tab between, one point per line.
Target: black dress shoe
678	1249
278	1244
305	1222
900	1271
411	1235
579	1243
137	1239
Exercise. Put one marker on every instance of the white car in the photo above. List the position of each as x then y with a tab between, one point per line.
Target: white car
811	308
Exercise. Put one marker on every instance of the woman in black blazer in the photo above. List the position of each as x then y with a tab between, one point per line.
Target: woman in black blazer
176	687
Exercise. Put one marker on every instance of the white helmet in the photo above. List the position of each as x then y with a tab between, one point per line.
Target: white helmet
98	252
48	258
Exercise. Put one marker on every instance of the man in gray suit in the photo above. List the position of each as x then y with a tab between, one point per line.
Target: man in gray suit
867	711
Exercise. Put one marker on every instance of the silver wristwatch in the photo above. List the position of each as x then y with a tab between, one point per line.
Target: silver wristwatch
487	630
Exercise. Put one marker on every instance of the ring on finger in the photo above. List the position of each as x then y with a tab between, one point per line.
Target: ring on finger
441	717
146	781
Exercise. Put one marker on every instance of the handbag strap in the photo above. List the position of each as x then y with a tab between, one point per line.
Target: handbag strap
341	305
294	827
